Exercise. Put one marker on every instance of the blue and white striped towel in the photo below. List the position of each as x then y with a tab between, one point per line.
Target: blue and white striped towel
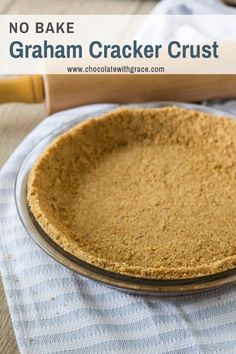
57	311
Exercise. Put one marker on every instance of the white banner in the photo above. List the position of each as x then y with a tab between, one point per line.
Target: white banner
118	44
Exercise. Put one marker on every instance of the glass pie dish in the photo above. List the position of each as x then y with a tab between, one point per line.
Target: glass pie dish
125	282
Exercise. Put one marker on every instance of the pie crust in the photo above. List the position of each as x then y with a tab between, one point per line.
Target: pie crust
148	193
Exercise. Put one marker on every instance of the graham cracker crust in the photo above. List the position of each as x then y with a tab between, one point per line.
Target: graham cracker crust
142	192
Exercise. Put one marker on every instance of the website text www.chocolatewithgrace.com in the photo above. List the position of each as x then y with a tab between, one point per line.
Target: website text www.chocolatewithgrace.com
123	69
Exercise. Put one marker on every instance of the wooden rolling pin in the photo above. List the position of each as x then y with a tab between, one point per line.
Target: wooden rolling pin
65	91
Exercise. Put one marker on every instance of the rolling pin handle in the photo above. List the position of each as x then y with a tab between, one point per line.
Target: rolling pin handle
26	88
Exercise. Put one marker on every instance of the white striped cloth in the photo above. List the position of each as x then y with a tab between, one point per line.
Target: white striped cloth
57	311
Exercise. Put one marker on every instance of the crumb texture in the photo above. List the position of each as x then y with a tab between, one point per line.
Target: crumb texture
143	192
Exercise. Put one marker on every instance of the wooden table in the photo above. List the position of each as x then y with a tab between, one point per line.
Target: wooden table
17	120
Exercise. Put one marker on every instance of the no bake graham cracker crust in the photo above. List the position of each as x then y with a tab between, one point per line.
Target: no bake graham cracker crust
143	192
